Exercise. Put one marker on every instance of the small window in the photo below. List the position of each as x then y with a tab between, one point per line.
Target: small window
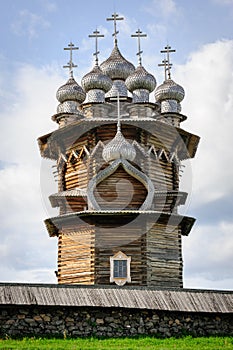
120	268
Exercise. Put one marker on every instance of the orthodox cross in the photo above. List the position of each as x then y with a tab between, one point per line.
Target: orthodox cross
168	50
96	34
139	35
117	98
118	113
115	17
70	64
167	67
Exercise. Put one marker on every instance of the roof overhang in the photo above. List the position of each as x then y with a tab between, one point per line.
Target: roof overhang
56	224
51	144
176	300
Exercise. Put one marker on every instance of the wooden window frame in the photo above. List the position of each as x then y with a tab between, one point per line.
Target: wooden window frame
120	281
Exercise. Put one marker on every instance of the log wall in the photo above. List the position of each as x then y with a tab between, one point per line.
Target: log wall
85	251
164	257
129	239
76	255
155	251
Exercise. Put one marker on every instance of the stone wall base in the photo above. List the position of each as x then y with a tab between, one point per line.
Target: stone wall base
58	321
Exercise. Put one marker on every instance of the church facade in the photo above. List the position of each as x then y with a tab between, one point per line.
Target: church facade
118	157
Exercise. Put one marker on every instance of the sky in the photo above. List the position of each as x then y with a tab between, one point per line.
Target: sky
33	35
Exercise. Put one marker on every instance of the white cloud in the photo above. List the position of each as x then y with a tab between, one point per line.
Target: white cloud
208	256
28	111
29	24
128	26
27	253
9	274
208	80
157	30
165	8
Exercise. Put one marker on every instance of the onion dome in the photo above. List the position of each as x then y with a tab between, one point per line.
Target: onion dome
118	69
116	66
170	95
140	83
96	84
140	79
169	90
70	91
118	148
70	95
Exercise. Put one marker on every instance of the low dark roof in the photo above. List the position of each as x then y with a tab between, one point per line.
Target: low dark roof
54	224
185	300
74	192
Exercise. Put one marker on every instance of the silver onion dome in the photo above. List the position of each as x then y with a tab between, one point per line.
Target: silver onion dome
118	148
116	66
96	79
70	91
140	79
169	90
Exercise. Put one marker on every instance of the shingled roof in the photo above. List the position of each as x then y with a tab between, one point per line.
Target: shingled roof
184	300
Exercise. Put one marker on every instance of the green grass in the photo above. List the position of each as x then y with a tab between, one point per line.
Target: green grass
144	343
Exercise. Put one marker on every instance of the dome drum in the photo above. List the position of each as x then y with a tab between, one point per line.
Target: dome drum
118	87
68	107
142	110
178	107
140	95
95	96
169	106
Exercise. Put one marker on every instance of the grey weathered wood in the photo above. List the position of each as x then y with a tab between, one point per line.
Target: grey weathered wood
126	297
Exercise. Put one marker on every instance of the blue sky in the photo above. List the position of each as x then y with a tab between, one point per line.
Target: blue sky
33	34
36	31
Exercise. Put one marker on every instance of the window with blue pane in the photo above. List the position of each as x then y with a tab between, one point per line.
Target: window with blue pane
120	269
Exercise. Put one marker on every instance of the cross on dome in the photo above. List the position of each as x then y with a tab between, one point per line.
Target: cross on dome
118	113
70	64
139	35
96	34
166	66
118	147
167	50
115	17
117	98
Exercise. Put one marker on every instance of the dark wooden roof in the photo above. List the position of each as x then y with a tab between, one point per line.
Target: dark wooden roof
54	224
48	142
185	300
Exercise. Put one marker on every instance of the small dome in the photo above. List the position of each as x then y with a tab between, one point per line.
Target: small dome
169	90
96	79
70	91
118	148
140	79
116	66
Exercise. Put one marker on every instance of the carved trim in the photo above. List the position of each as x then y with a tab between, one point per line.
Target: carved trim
131	170
120	281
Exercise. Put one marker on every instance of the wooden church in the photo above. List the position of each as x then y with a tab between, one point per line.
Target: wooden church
118	158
